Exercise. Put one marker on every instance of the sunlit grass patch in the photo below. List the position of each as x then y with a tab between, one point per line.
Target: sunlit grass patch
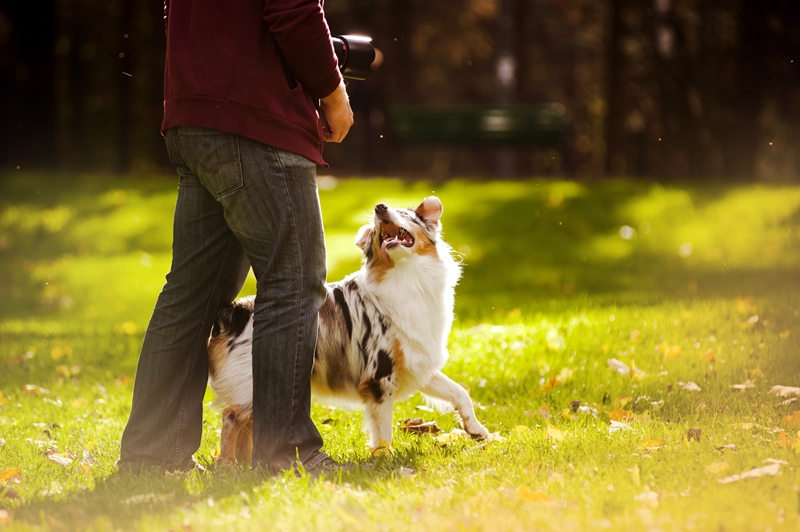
622	338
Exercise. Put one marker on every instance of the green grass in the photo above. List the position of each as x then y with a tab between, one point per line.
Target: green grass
559	278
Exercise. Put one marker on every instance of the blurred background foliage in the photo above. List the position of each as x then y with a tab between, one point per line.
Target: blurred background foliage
659	88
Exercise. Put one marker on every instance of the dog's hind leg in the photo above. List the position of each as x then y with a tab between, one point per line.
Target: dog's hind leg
442	387
244	442
232	422
378	418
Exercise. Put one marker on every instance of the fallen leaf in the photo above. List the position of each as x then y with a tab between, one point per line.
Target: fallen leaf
554	433
690	386
785	442
88	458
60	459
8	492
745	305
715	469
744	386
771	469
407	472
521	429
711	356
5	518
418	426
784	391
749	324
618	414
447	437
793	420
729	446
544	411
617	426
383	448
9	473
694	434
669	351
32	389
619	366
651	445
525	494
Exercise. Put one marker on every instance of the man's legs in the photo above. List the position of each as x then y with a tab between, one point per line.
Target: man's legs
208	268
276	217
269	201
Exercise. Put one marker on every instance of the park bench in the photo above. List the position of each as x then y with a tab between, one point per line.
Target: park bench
541	125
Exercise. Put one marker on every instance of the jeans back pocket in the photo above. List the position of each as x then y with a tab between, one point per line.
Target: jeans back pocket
214	157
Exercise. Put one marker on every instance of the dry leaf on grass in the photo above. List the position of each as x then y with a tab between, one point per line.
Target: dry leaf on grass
651	445
771	470
5	517
32	389
694	434
715	469
793	420
554	433
9	473
785	391
447	437
60	459
526	494
418	426
616	426
729	446
690	386
746	385
623	369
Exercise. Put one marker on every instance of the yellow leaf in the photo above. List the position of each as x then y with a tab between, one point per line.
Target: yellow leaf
785	442
384	448
5	517
651	445
63	371
3	399
620	415
793	420
8	473
754	373
716	469
521	429
566	413
745	305
670	351
784	335
554	434
525	494
32	389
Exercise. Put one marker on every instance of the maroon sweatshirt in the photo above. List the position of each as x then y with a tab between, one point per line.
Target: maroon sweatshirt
255	68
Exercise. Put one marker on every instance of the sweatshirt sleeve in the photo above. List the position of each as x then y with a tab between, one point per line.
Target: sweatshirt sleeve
300	29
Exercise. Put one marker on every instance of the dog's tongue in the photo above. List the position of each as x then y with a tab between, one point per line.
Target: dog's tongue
384	244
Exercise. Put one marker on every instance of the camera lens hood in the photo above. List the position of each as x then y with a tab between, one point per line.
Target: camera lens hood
355	54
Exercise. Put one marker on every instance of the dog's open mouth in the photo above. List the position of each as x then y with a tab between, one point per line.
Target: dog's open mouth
393	236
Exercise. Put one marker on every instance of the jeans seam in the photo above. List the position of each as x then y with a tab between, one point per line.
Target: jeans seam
302	287
181	418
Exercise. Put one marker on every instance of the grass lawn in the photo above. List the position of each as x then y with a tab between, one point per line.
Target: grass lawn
692	290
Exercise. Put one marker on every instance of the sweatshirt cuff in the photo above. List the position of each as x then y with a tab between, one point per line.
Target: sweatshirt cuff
326	85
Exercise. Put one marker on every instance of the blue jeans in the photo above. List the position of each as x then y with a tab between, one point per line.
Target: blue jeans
240	204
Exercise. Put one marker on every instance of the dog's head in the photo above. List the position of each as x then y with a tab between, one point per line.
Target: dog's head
397	234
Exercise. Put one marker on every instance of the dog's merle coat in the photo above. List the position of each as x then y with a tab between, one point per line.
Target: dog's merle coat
382	332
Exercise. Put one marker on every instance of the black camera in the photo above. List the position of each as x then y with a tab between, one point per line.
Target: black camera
355	55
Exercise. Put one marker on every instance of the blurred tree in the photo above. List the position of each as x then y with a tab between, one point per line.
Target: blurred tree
694	89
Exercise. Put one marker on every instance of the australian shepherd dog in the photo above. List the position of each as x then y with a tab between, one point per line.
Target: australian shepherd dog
382	333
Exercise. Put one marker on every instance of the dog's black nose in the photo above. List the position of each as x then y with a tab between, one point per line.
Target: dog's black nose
381	208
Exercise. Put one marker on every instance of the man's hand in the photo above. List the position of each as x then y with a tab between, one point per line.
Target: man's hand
338	115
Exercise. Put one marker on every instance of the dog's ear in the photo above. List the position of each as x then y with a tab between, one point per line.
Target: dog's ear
364	237
430	209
